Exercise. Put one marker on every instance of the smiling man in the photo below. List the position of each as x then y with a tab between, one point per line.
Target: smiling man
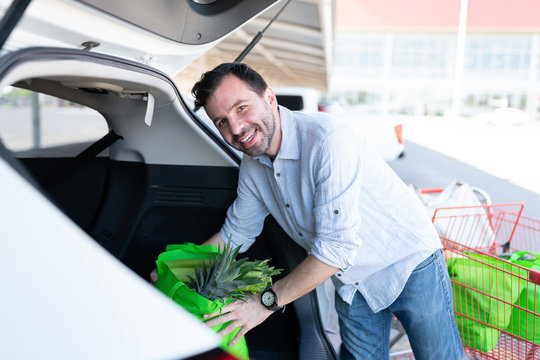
334	196
253	129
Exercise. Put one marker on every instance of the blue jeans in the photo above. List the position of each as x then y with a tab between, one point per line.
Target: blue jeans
424	308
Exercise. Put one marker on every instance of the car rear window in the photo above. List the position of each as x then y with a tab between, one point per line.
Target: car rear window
38	124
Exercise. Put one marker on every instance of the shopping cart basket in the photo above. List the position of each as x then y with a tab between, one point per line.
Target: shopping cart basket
490	228
496	287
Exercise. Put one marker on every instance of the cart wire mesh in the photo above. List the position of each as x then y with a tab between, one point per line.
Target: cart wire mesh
495	278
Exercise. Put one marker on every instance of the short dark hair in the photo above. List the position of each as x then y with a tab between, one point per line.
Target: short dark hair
210	80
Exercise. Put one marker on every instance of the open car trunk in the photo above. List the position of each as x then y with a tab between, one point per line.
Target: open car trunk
153	174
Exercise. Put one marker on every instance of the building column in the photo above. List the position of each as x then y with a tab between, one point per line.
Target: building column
532	91
460	56
387	75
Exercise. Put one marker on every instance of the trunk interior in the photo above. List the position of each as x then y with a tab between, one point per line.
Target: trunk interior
134	210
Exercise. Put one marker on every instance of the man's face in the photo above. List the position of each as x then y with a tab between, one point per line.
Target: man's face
244	119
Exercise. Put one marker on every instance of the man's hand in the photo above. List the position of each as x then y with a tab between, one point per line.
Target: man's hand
153	276
244	314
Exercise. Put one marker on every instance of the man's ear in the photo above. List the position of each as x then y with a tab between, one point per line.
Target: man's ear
270	97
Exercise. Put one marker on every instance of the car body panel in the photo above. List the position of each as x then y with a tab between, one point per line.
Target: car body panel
62	285
203	22
50	23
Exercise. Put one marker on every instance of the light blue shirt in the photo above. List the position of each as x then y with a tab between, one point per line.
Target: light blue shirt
339	200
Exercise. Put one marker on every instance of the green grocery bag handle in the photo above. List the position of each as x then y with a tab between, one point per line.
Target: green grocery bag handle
525	256
176	286
528	260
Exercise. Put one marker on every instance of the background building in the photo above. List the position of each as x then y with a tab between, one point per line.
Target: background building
407	56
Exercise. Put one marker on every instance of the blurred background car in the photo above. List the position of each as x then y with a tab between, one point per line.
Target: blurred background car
502	116
331	105
297	98
385	134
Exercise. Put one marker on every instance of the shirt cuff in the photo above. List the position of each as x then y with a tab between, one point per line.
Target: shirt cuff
338	254
236	239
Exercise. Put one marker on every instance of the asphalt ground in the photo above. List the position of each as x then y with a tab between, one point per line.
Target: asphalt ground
505	150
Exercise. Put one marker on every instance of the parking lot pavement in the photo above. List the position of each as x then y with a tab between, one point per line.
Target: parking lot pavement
507	151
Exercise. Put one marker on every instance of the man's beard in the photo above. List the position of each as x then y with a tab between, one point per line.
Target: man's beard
264	131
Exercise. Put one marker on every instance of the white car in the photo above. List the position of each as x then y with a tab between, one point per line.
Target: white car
121	167
502	116
298	98
384	135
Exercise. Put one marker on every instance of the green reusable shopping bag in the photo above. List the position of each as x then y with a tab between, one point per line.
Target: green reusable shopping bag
196	304
525	321
484	289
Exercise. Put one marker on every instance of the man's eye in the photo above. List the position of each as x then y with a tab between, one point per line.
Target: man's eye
221	122
241	108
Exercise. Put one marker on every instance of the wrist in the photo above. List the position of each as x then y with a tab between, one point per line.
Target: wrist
269	300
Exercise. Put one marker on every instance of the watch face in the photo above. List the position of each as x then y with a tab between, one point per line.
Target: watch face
267	298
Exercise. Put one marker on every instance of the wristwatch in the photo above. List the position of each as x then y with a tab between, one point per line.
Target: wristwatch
269	300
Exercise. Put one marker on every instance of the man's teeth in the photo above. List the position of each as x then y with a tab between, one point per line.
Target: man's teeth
248	138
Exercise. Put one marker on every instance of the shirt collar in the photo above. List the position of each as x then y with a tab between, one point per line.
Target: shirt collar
289	139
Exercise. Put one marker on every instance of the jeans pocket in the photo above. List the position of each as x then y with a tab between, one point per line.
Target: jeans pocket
427	261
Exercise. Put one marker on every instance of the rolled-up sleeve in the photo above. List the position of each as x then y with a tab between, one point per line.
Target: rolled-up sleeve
336	210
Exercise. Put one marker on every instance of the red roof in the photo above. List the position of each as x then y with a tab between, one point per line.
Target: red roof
442	14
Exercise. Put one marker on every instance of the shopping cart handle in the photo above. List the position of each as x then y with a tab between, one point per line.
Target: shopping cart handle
430	190
534	276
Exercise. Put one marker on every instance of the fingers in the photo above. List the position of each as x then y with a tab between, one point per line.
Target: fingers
215	320
238	336
153	276
232	326
219	318
224	310
238	314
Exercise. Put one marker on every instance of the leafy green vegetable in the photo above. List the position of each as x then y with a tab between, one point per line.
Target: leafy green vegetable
222	277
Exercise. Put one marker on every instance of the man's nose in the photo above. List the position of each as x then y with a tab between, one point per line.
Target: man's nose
236	126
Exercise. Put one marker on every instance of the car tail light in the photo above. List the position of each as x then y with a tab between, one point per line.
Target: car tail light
399	133
215	354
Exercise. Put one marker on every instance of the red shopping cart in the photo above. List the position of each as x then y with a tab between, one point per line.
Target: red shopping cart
495	277
490	228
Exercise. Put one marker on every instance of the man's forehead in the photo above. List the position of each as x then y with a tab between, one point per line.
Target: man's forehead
232	81
229	91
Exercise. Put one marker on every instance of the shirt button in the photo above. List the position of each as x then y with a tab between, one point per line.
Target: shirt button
287	205
278	174
356	283
300	234
336	212
338	274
